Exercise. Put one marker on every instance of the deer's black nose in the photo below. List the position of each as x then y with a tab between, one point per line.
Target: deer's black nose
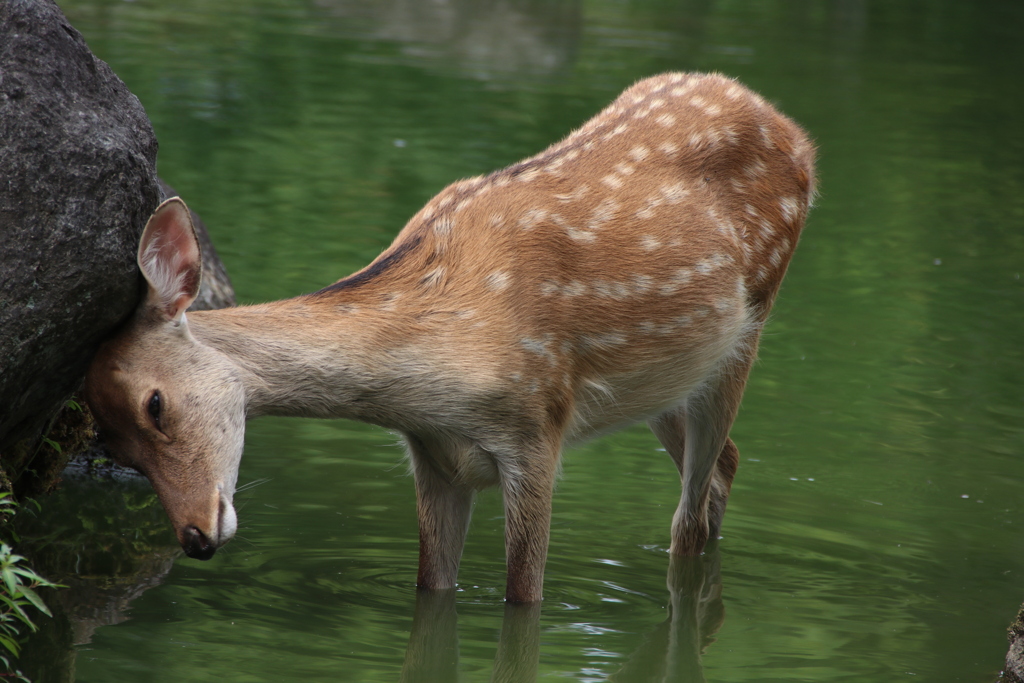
196	545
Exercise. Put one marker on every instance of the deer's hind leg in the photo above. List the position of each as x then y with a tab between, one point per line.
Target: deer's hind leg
696	435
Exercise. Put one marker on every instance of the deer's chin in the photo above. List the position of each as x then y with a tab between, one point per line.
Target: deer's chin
227	520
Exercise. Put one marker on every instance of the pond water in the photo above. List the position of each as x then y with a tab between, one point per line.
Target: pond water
876	527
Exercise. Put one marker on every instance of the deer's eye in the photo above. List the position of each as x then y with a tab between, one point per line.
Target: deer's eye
153	408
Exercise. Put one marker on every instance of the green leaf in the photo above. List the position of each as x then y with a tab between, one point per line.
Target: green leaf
73	404
23	615
53	444
34	598
10	644
10	580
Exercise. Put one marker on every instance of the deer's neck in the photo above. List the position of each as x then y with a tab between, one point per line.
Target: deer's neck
320	357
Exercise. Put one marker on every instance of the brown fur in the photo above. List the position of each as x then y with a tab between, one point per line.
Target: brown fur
622	274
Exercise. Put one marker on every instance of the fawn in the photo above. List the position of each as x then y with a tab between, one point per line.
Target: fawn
623	274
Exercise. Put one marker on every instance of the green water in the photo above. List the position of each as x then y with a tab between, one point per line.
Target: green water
876	527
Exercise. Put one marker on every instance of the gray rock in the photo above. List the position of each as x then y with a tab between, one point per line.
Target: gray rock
77	183
1013	672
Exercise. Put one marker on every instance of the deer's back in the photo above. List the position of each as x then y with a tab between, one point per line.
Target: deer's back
620	265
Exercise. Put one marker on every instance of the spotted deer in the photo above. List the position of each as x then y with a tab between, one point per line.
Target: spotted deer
623	274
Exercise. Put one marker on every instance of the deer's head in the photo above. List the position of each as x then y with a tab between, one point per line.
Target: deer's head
167	405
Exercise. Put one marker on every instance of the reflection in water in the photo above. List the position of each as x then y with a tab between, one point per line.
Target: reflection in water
482	38
672	651
108	542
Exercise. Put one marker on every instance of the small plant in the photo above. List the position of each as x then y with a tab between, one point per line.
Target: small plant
17	592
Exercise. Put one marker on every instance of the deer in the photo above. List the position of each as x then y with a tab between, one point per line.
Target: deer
623	274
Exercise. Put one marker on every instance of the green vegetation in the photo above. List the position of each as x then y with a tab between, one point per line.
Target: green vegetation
17	596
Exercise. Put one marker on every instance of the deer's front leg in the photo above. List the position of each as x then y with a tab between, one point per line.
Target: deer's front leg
443	508
528	493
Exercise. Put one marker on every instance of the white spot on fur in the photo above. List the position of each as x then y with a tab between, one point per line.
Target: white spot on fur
575	195
580	235
602	341
678	279
665	120
443	226
642	283
498	281
711	263
532	218
539	347
433	278
649	243
624	169
574	288
612	181
548	287
618	130
709	108
669	147
639	153
790	208
755	169
673	193
603	213
528	176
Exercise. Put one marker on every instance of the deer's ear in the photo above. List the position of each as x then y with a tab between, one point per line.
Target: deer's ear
170	259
